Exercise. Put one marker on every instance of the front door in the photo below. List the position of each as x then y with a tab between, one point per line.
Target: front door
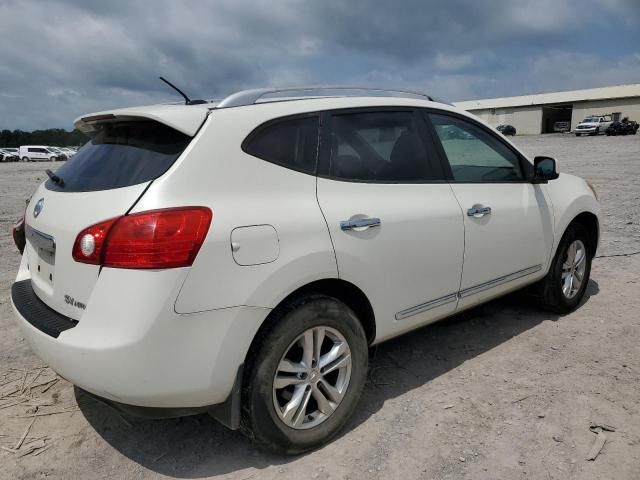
507	219
396	227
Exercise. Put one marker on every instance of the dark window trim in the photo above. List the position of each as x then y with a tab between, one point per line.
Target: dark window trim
275	121
325	147
525	165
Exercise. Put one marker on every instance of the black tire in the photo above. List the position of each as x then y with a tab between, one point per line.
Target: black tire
25	159
260	421
577	134
552	295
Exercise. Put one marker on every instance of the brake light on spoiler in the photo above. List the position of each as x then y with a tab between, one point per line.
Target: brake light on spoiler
165	238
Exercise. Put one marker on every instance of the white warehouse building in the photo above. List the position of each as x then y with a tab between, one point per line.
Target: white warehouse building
533	114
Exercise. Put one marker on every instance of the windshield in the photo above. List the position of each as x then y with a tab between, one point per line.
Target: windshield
121	154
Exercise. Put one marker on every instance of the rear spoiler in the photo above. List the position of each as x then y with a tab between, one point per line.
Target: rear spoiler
183	118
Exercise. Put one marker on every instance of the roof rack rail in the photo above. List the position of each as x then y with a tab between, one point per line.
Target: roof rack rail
253	96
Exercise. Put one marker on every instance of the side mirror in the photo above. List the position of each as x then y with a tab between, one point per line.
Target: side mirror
544	169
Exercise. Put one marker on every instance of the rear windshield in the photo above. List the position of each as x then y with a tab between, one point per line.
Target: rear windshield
121	154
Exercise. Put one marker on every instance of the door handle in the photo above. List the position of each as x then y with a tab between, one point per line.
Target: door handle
360	223
479	211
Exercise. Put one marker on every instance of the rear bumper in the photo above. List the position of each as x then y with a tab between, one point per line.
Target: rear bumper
132	348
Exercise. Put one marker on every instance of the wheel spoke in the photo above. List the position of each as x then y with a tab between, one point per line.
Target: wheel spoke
332	393
283	381
292	406
302	409
318	338
566	285
288	366
306	342
324	405
581	257
339	363
571	253
332	355
576	282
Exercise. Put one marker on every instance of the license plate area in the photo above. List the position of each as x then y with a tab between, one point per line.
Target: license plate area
44	246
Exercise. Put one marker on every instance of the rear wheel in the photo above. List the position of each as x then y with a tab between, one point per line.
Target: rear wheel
25	159
306	377
566	282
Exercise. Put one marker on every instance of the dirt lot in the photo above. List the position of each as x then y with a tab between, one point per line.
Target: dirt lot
503	391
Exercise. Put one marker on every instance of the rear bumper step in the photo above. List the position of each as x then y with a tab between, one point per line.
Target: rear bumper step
36	312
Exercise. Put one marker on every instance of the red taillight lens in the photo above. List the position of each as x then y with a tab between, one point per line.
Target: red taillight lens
166	238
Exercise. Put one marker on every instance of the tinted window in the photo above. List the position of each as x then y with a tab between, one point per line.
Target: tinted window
292	143
377	147
121	154
475	155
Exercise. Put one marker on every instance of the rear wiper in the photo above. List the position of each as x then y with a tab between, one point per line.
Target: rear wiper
55	178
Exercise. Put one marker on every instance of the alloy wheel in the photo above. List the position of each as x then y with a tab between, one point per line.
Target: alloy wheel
573	269
312	377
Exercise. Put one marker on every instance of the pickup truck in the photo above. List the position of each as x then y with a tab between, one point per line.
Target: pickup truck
593	125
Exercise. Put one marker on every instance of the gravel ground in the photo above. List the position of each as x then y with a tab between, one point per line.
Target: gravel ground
502	391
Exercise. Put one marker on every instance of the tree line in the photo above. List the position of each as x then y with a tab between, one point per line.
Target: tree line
55	137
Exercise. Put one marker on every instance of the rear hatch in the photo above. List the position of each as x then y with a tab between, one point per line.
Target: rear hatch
102	181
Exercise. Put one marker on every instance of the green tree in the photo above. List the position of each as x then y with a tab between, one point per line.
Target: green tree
55	137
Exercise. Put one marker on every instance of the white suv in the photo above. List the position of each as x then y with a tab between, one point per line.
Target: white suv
240	257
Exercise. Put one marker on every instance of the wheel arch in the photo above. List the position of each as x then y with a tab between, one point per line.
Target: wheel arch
589	221
342	290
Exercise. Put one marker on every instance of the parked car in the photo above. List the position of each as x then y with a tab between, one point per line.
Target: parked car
593	125
625	127
9	154
562	127
37	153
60	154
506	129
220	258
69	152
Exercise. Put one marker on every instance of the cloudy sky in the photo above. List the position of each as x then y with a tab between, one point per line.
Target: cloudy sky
60	59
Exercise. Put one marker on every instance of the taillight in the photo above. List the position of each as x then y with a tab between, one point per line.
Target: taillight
166	238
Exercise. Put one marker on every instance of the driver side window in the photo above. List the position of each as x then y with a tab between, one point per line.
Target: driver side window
474	155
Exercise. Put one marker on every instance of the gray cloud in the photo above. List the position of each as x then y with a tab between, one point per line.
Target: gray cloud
61	59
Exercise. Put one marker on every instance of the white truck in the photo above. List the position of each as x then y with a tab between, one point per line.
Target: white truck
593	125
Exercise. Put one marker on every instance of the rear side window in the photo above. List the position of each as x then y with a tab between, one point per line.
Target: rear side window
378	147
292	143
121	154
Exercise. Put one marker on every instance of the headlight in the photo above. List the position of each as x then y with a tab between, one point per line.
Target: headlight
593	189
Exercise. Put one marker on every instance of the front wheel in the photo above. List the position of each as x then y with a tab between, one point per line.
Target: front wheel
566	282
306	377
25	159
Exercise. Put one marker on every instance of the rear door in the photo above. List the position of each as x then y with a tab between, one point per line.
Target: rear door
507	219
103	180
395	225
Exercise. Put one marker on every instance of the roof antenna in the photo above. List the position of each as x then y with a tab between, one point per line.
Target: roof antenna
187	100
